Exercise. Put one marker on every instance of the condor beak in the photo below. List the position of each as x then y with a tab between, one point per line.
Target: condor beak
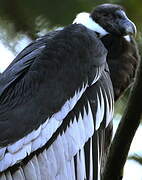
127	27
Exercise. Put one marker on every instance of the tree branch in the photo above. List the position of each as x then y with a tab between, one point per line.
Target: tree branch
126	130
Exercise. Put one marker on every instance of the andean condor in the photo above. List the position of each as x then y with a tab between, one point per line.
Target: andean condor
57	98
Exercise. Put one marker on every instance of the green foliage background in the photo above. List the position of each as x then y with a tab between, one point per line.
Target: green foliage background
32	16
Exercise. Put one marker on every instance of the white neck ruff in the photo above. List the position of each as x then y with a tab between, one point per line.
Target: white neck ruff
85	19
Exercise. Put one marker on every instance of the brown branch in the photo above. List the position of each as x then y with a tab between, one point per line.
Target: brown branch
126	130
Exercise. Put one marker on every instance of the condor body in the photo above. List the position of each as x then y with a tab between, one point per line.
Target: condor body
56	100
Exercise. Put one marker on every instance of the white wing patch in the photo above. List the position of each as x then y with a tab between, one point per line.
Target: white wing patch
109	108
111	112
105	106
17	151
71	142
59	157
100	109
91	123
81	171
98	74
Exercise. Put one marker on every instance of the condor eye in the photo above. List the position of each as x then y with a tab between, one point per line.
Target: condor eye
119	16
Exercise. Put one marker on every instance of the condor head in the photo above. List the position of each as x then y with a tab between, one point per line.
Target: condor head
113	19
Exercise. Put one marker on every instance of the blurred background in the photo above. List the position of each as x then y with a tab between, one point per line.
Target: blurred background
23	21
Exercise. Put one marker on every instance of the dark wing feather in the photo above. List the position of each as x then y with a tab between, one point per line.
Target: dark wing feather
18	69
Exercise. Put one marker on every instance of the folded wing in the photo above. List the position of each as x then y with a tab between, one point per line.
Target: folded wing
41	88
